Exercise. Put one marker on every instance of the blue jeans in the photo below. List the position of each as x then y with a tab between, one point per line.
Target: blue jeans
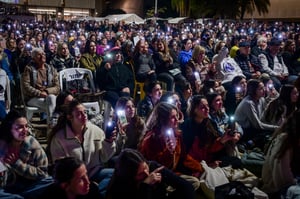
102	178
34	191
2	110
5	195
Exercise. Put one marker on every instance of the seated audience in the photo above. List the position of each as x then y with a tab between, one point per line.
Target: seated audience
40	83
135	177
75	136
280	172
163	143
249	114
280	108
23	157
71	181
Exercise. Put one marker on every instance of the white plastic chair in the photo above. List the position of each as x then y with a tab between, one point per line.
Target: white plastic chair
75	74
29	110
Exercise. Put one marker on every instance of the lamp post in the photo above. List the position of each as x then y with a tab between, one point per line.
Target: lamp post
155	11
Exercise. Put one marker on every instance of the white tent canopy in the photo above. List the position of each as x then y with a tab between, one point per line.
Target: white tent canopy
127	18
176	20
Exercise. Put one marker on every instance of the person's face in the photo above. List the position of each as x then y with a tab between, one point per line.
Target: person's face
12	43
292	47
217	103
129	109
40	58
118	57
294	95
202	111
243	84
33	41
188	92
39	37
144	47
64	50
260	91
21	44
274	49
51	37
156	92
188	45
92	48
201	57
107	35
160	47
79	115
19	129
245	50
142	172
173	119
79	184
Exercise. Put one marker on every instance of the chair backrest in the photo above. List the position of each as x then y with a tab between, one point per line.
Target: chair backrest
76	80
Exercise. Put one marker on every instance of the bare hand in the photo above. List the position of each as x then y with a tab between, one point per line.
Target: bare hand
107	66
10	158
43	94
154	177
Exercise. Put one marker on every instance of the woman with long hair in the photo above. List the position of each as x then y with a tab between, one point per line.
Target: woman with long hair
201	137
281	107
71	181
163	143
249	113
135	177
280	172
131	129
75	136
22	155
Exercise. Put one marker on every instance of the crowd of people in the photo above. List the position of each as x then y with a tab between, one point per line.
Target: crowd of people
214	91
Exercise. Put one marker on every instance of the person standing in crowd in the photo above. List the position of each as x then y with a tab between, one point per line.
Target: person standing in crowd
63	59
135	177
115	78
75	136
249	113
24	158
40	83
71	181
280	172
163	143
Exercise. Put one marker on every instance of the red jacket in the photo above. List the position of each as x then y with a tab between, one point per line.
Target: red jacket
153	147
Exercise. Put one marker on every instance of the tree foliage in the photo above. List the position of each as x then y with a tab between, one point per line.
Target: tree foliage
224	9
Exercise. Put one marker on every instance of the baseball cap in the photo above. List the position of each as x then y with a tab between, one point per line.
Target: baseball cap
244	44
